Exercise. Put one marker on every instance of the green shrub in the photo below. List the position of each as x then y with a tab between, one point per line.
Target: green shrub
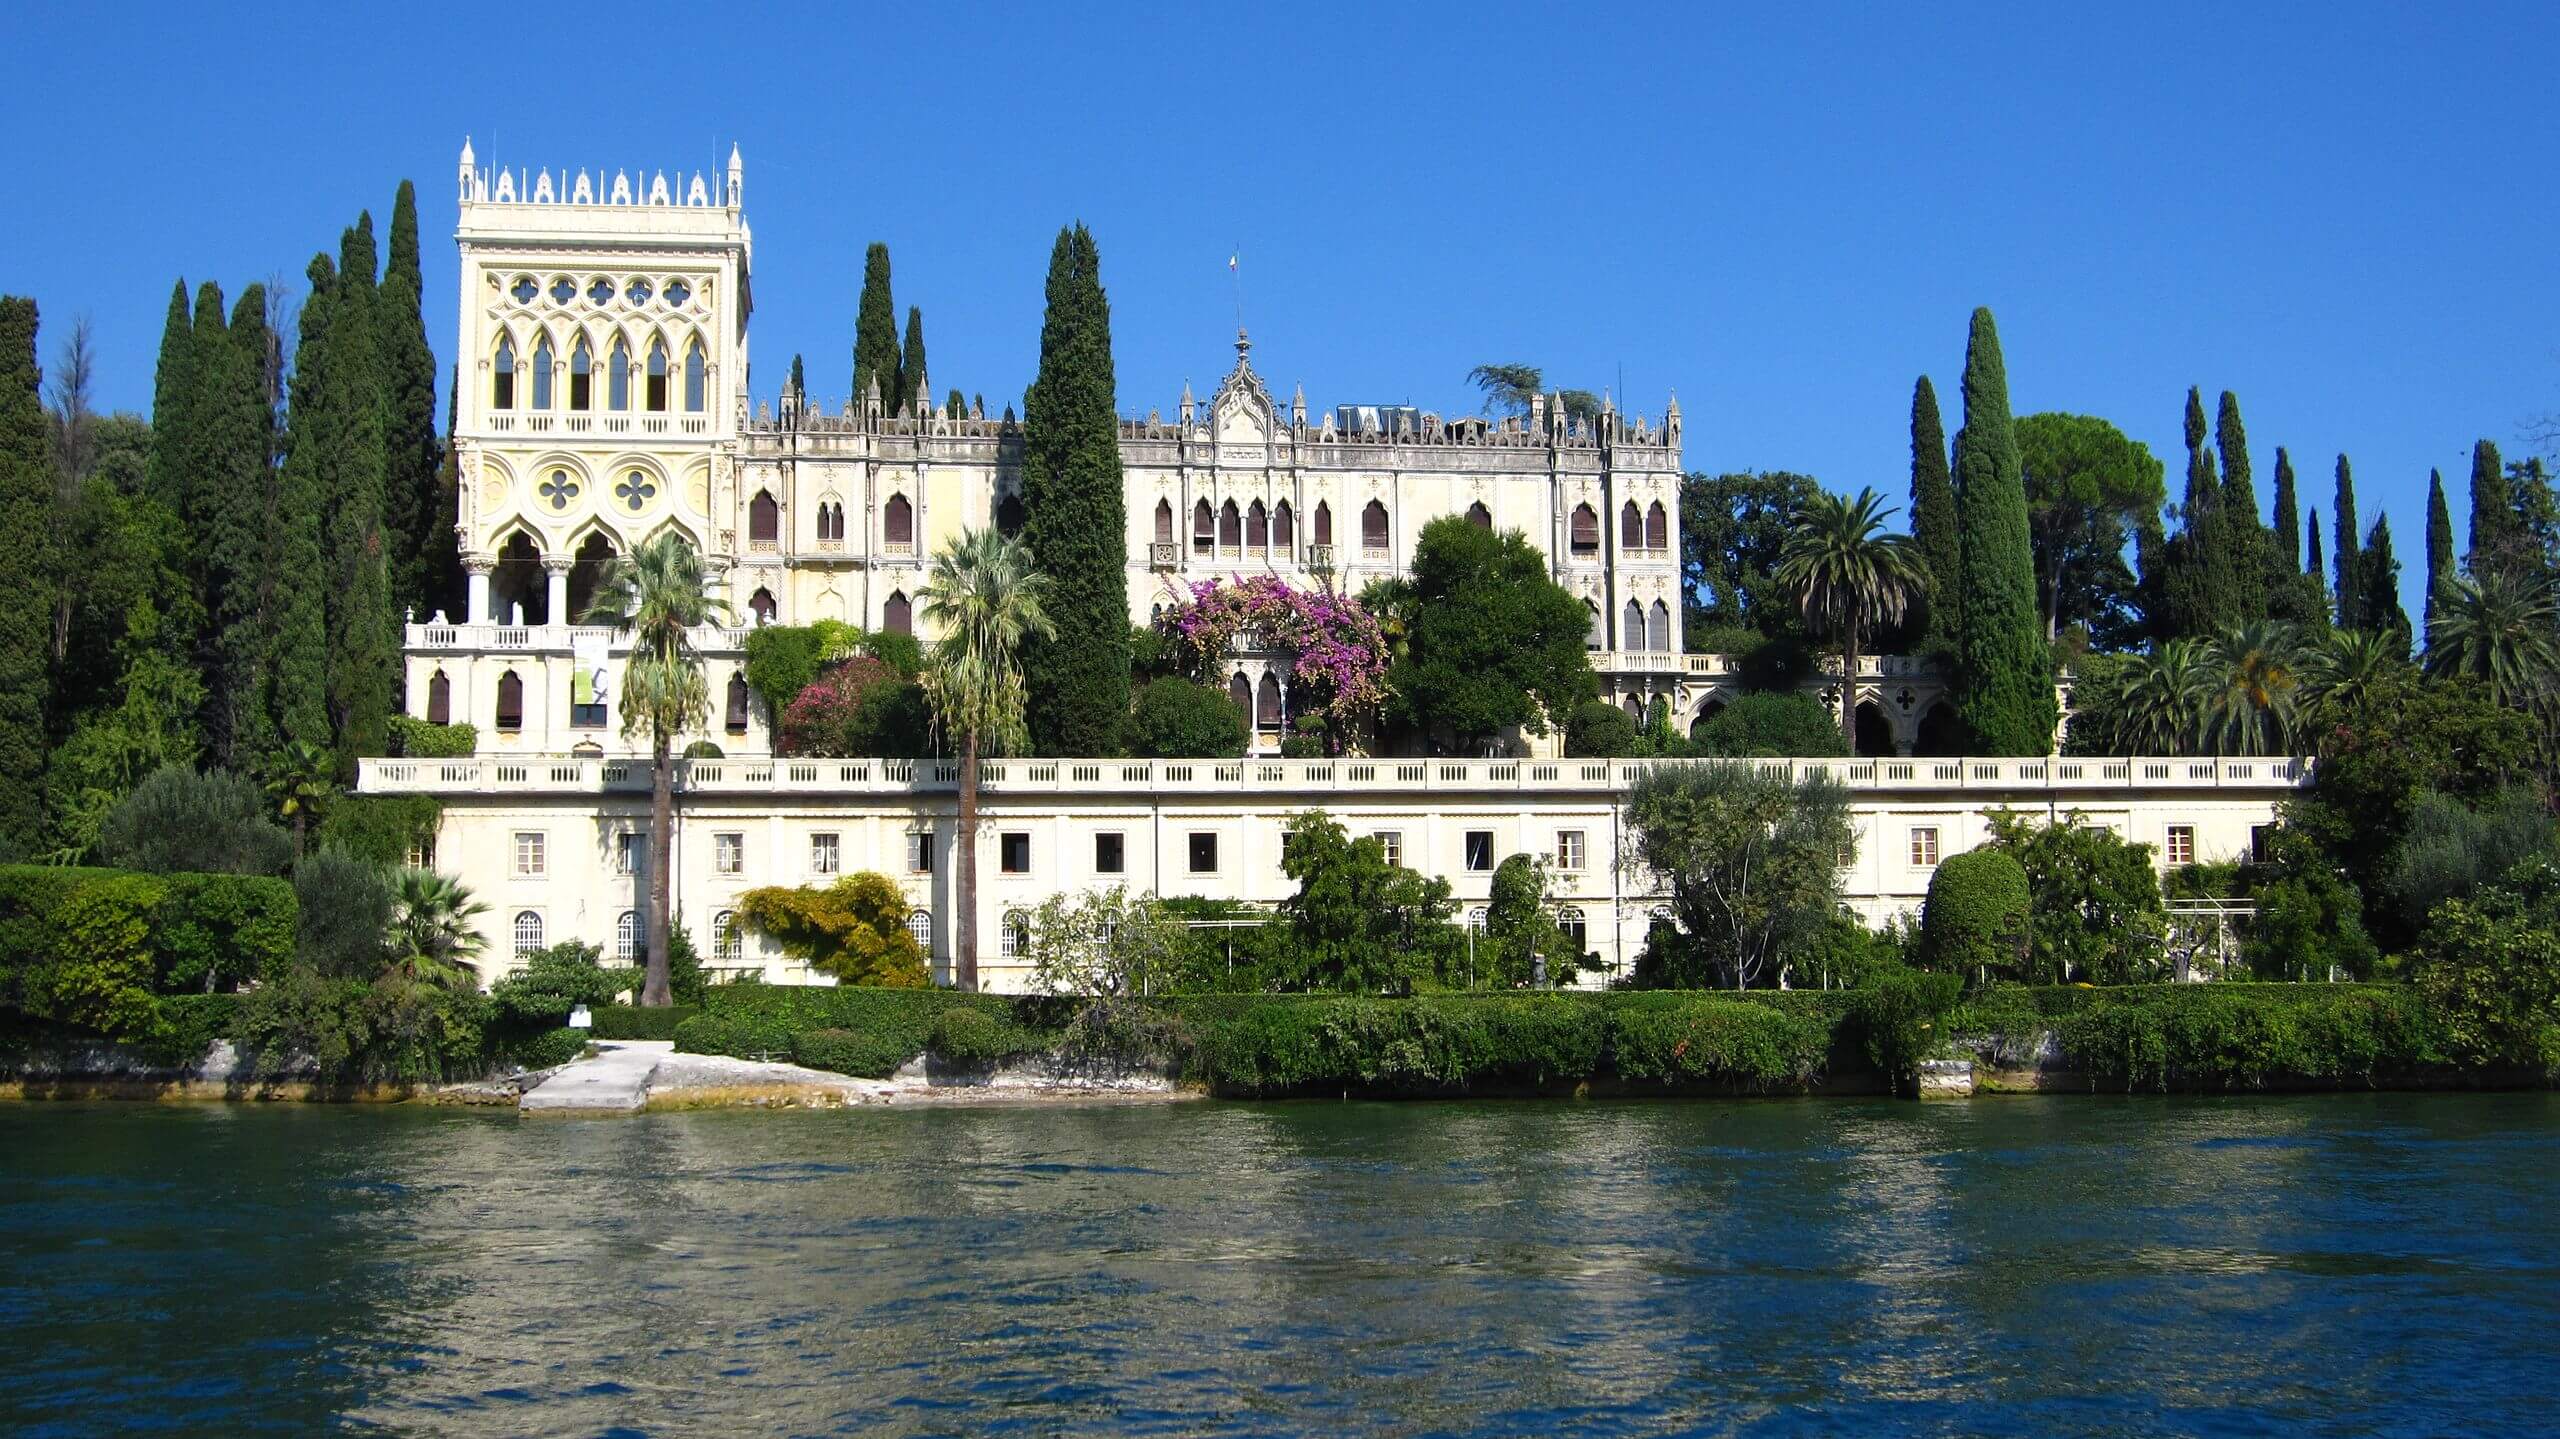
97	948
630	1021
557	980
414	738
1974	921
977	1038
845	1051
739	1038
179	821
351	1031
380	829
1175	718
1674	1039
190	1024
2242	1036
345	906
1902	1018
218	931
545	1048
1787	726
1599	730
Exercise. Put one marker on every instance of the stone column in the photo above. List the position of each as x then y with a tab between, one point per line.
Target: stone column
475	609
555	578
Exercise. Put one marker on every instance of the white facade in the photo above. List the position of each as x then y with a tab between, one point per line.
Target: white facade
556	846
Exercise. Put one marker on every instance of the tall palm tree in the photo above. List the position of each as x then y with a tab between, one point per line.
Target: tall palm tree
1848	579
434	935
656	598
2501	632
300	777
984	601
2252	694
2343	666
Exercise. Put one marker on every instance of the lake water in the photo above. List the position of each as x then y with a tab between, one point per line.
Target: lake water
2363	1264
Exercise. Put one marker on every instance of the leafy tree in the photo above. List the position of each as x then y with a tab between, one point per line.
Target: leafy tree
1848	580
985	603
656	597
2004	673
1358	924
1177	719
1523	944
2451	850
830	717
911	374
854	929
1075	518
2501	632
557	980
1764	724
2094	906
2440	573
1933	517
2088	490
1732	528
1975	919
178	821
2351	585
26	519
875	333
2310	920
1508	389
1495	641
1597	729
345	907
1751	861
1105	944
2490	970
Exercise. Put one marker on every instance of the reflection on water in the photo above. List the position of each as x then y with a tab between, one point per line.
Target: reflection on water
2031	1266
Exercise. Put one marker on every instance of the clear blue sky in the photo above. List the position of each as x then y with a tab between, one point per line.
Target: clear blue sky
2344	214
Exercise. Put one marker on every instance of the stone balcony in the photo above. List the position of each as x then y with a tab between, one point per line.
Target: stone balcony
1970	780
552	639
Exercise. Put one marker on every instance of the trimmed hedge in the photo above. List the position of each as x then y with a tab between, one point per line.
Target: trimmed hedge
2247	1036
630	1021
865	1056
547	1047
413	738
101	948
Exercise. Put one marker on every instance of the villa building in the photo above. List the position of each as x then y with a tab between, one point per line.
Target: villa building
603	330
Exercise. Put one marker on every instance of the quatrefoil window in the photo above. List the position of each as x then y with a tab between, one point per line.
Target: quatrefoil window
635	491
560	489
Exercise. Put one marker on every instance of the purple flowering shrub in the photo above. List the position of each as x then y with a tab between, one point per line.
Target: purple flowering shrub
822	720
1338	658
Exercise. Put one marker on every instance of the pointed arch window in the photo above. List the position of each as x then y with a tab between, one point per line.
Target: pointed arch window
542	373
656	394
1266	710
761	605
582	393
1324	523
1257	527
1203	528
1284	528
617	376
1479	516
1373	527
1657	628
764	519
1586	530
1230	527
1240	690
898	523
1009	516
1630	527
1631	627
737	716
1164	522
695	368
439	699
1598	637
1657	527
502	375
897	616
510	703
830	521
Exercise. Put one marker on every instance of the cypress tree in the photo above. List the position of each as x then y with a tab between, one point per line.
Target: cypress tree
2243	536
911	371
2493	512
1933	516
2004	670
2378	574
444	540
234	449
2319	579
172	386
2342	513
797	385
2285	541
954	407
2439	548
2197	591
26	621
208	351
1074	515
875	333
412	460
298	692
362	642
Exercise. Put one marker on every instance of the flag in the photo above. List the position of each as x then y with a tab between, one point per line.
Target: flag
1231	264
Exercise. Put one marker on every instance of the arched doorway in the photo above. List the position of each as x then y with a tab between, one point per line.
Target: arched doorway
1874	731
1706	712
1941	732
518	594
586	574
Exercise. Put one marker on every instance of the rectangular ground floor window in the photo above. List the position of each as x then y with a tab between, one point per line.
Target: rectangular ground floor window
1204	852
1479	850
1110	854
1924	846
1013	852
2181	848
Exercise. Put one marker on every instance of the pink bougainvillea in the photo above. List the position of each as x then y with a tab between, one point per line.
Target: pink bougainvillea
1338	659
821	721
